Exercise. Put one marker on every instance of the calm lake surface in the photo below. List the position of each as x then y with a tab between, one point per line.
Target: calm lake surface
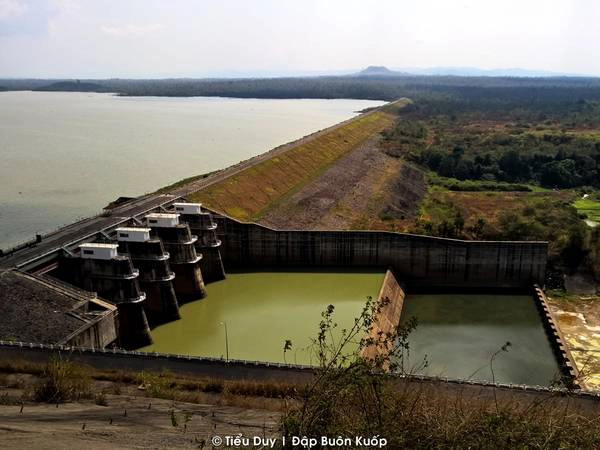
262	310
65	155
458	334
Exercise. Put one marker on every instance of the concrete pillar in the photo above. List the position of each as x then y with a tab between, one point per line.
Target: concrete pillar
184	261
148	255
202	225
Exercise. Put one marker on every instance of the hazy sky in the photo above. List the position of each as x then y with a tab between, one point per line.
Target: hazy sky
197	38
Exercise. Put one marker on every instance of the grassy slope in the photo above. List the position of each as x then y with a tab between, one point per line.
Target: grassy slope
252	192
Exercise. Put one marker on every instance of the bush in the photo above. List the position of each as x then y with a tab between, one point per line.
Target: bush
62	381
350	394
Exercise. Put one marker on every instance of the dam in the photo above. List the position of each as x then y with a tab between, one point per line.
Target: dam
265	286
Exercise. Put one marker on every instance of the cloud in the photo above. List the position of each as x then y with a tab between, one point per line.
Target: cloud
11	8
132	30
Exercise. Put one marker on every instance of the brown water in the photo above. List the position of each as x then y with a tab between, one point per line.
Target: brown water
262	310
65	155
459	333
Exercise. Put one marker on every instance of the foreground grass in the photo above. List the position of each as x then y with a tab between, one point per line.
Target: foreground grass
249	194
61	380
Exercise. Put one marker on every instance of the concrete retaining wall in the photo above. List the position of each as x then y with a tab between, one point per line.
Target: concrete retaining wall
557	340
418	260
98	334
391	299
104	359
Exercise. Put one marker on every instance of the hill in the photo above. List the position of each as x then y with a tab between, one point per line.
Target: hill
379	71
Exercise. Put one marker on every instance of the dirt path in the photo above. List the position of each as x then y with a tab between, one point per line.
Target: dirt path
146	425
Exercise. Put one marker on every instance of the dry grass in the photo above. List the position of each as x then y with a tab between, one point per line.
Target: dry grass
251	193
164	384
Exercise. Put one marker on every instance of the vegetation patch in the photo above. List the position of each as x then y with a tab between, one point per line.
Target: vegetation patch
453	184
514	216
182	183
250	193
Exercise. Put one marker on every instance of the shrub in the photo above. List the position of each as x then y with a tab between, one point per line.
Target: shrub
62	381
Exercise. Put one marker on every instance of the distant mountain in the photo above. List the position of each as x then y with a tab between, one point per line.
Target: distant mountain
73	86
379	71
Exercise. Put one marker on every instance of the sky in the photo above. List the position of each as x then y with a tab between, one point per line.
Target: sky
216	38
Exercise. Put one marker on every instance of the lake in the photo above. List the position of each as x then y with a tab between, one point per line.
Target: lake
264	309
66	155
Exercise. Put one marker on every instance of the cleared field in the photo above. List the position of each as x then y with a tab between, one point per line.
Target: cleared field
249	194
590	208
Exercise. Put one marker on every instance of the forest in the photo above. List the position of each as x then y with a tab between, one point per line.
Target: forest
495	93
511	173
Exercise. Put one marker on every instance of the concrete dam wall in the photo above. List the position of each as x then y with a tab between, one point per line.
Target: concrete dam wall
387	318
417	260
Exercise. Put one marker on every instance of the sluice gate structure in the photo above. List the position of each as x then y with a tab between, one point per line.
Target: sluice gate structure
148	255
145	265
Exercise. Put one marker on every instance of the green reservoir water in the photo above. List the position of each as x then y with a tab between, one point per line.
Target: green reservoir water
458	334
262	310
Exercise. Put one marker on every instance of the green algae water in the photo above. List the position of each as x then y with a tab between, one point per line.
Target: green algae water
459	333
264	309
